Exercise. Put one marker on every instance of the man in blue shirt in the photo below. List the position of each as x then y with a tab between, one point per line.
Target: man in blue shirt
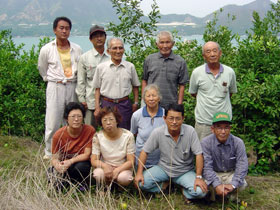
225	159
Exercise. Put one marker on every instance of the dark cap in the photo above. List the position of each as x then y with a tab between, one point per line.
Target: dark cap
96	28
221	117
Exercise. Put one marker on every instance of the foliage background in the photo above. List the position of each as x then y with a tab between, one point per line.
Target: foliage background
255	59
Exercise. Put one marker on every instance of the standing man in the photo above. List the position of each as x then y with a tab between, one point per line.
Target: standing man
212	84
114	80
86	68
167	70
57	64
178	144
225	159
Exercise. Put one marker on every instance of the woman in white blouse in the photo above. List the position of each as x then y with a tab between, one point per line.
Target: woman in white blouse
113	150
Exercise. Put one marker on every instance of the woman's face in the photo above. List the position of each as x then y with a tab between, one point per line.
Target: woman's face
75	118
109	122
151	98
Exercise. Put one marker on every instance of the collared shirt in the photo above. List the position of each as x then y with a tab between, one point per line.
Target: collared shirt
218	157
213	93
176	158
86	69
143	124
49	64
168	73
115	81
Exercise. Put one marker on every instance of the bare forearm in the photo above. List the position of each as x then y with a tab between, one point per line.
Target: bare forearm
144	84
141	162
97	98
181	94
135	93
199	164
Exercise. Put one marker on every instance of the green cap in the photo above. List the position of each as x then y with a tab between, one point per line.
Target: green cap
221	117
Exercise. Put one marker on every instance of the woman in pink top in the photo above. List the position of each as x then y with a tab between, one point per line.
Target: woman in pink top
113	150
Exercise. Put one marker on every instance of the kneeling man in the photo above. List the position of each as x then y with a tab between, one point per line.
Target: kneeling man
225	159
178	144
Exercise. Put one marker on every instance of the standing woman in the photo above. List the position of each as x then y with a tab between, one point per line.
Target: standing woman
145	120
113	150
71	148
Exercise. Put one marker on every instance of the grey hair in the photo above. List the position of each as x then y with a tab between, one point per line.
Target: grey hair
112	39
164	33
152	86
219	48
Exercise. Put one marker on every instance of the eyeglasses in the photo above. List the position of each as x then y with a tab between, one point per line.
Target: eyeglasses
219	129
171	119
73	117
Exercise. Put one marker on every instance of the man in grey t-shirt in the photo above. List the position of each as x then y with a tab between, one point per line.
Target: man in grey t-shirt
178	144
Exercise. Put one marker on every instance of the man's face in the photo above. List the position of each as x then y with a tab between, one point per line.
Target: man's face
174	120
221	130
211	53
62	30
165	45
98	39
116	51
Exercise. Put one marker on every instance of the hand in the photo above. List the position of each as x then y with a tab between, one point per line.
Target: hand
96	112
228	188
200	183
116	173
66	164
138	178
134	107
59	166
108	172
220	190
85	104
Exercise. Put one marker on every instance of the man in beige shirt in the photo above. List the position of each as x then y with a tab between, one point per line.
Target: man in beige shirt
86	69
114	80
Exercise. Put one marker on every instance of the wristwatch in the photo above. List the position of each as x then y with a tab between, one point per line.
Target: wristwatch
136	102
199	177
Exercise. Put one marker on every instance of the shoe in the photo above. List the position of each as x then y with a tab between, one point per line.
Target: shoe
47	157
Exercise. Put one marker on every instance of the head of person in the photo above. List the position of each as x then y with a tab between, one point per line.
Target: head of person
211	52
152	95
74	114
174	117
165	43
97	36
62	27
109	118
221	126
115	48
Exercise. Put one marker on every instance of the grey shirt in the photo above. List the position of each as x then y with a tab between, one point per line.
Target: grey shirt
167	73
176	158
218	157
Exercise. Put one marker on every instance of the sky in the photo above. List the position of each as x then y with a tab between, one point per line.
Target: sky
198	8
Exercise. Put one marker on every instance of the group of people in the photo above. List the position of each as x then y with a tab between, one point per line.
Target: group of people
88	90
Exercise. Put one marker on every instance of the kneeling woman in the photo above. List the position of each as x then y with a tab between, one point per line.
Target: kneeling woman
71	148
113	150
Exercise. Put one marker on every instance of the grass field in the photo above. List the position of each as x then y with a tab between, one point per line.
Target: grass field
23	185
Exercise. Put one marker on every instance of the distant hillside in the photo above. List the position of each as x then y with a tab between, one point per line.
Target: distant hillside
34	17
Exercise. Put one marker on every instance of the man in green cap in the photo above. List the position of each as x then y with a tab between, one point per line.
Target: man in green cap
225	159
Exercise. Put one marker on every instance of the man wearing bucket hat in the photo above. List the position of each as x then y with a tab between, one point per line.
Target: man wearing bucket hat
225	159
86	69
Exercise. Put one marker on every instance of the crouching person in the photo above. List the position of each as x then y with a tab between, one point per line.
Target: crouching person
71	149
113	150
225	159
178	144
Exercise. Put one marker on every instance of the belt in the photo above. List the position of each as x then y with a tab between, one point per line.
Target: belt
63	82
116	101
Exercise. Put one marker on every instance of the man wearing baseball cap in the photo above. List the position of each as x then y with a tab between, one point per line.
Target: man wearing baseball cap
225	159
86	69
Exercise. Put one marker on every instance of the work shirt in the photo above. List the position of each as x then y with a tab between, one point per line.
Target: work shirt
115	81
86	69
176	158
219	157
50	66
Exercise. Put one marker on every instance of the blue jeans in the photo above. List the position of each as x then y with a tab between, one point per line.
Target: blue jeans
155	176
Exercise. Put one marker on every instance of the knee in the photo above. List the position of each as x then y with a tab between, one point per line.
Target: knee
198	193
98	175
125	178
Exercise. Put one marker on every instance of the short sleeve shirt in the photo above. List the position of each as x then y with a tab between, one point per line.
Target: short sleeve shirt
176	158
167	73
213	93
115	81
113	152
